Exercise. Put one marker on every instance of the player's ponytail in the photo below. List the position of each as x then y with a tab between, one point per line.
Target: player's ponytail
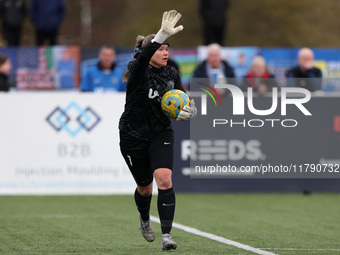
141	42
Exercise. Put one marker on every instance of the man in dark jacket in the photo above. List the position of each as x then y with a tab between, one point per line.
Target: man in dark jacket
305	75
47	17
213	13
12	13
216	69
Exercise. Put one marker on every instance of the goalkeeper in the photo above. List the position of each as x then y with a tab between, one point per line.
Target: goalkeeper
146	135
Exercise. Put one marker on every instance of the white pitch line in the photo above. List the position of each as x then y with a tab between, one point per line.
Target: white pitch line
297	249
215	237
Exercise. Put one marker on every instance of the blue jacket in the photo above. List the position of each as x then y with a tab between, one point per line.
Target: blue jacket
47	14
97	79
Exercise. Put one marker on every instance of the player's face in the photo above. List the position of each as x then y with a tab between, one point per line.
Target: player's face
160	58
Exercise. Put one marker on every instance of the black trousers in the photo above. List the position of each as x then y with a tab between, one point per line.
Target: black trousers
42	35
213	33
12	34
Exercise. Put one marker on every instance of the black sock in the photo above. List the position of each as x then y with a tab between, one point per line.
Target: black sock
166	208
143	205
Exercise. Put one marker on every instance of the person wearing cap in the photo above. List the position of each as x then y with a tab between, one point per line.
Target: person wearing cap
146	135
305	74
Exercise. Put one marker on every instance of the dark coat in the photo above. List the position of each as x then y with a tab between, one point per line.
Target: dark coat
47	15
201	70
213	12
3	83
310	79
12	12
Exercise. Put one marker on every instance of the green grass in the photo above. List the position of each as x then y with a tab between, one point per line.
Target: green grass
109	224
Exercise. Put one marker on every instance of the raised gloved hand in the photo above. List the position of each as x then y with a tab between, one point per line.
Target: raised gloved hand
169	20
187	112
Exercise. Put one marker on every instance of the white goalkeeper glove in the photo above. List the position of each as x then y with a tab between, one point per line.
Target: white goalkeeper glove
187	112
168	28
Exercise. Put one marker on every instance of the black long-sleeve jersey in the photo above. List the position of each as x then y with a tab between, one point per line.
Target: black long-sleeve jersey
143	117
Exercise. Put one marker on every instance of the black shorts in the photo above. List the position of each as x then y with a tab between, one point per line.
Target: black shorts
144	157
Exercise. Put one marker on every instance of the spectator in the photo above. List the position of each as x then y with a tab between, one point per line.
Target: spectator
259	77
213	13
5	68
12	13
305	75
47	17
214	68
106	75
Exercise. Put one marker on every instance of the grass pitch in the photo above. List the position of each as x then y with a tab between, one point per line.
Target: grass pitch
279	223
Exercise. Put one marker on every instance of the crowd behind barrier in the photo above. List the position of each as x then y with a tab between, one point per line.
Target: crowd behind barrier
62	67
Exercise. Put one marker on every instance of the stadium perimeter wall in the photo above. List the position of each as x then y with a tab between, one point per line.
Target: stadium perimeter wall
67	143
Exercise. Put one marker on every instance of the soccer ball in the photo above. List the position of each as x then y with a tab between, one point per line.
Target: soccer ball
173	102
